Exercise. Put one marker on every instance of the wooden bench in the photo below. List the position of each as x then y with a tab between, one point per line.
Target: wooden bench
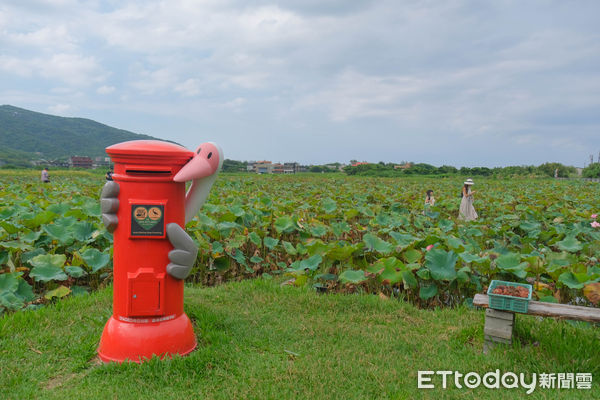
499	325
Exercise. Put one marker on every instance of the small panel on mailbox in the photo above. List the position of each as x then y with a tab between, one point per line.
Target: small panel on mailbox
147	220
146	293
145	298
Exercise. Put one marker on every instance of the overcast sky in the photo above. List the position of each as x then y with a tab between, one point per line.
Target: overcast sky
463	83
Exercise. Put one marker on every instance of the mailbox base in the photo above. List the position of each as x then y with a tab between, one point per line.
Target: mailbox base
138	339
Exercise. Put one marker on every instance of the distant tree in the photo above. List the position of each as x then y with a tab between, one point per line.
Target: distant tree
465	171
548	169
421	169
350	170
481	171
591	171
515	170
447	169
234	166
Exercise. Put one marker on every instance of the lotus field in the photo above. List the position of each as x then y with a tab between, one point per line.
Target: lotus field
331	232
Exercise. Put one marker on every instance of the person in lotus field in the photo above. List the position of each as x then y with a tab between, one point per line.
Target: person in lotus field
429	201
467	211
45	176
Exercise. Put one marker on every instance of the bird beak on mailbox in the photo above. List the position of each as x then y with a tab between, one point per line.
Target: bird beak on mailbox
206	162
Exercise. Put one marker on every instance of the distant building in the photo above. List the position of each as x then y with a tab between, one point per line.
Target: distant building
60	163
101	162
80	162
403	166
291	168
268	167
356	163
263	167
333	166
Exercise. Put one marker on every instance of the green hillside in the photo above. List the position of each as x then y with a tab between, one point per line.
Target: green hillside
27	135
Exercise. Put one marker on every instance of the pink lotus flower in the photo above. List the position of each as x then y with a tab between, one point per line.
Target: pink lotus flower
595	224
594	216
431	246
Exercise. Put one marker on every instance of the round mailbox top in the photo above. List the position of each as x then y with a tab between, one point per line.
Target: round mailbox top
149	151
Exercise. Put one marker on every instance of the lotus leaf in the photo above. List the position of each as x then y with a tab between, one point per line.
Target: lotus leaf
59	208
82	231
59	292
270	242
329	205
511	262
74	271
9	282
403	239
428	291
441	264
341	251
409	279
254	238
311	263
289	248
318	230
15	245
446	225
60	233
11	301
339	228
412	256
374	243
24	291
570	280
79	290
95	259
48	267
352	276
570	244
284	224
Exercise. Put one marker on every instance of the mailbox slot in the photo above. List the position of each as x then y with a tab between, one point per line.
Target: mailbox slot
148	171
140	172
146	293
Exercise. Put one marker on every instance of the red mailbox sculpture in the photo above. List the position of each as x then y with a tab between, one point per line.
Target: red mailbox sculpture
146	207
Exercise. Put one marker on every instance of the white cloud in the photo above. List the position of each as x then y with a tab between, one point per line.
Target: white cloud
355	95
235	104
49	37
105	89
59	109
190	87
73	69
152	81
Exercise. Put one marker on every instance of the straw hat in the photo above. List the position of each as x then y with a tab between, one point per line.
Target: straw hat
469	182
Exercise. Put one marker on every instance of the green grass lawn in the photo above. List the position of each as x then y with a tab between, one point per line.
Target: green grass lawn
260	340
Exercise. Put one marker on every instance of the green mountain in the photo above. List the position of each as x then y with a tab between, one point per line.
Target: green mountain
27	135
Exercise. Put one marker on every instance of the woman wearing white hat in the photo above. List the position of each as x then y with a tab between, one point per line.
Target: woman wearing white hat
467	211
